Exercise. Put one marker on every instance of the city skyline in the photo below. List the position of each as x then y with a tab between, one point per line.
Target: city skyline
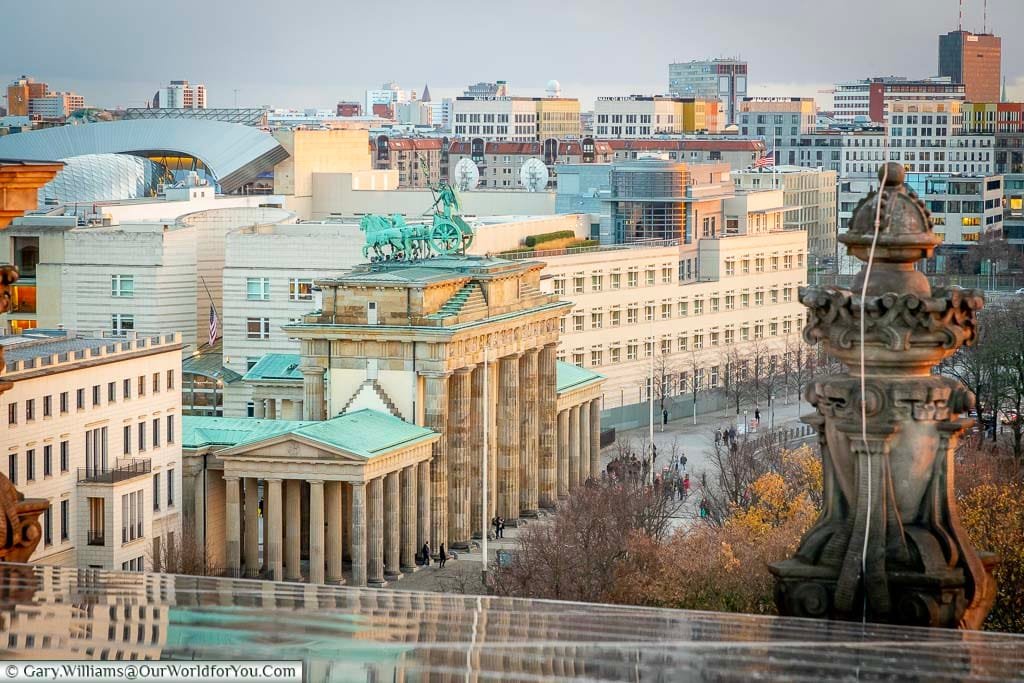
294	64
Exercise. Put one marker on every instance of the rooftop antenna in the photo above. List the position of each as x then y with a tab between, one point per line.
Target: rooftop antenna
960	23
984	18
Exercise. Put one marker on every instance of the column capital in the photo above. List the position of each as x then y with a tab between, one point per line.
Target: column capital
465	370
230	477
532	352
435	374
551	345
271	480
315	482
357	483
312	370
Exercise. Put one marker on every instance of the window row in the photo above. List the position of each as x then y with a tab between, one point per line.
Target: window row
258	289
32	455
32	408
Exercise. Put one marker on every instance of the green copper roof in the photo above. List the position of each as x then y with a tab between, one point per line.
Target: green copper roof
366	432
573	377
209	362
283	366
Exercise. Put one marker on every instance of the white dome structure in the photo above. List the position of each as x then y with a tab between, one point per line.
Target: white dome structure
553	88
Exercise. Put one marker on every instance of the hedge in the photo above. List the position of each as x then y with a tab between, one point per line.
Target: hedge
534	240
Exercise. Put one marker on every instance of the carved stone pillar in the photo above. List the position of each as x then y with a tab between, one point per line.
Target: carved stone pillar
293	530
435	409
271	408
316	531
574	447
476	450
259	408
584	442
274	527
233	526
493	386
375	532
595	438
889	545
547	460
529	438
508	438
335	532
423	506
407	560
563	454
358	533
459	459
392	517
313	406
251	533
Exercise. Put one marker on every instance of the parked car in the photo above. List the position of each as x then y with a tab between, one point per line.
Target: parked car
1020	291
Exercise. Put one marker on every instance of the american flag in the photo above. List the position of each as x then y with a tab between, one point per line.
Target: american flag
767	160
213	324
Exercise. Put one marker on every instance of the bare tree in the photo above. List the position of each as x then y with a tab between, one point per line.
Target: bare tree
730	361
734	467
180	554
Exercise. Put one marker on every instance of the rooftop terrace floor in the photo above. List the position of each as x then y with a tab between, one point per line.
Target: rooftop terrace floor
345	634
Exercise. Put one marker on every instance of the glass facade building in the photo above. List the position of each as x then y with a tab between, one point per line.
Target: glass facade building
649	201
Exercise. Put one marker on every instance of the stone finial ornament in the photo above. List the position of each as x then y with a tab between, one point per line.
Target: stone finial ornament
889	545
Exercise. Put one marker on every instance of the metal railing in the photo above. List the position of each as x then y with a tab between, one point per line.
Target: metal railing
122	472
96	538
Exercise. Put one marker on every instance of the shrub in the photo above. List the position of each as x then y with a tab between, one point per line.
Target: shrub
534	240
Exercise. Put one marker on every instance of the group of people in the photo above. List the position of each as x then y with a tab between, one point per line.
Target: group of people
628	467
499	527
671	485
425	553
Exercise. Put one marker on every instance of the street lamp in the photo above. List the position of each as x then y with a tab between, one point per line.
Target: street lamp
771	409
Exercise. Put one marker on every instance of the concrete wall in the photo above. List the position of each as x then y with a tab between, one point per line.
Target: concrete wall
318	151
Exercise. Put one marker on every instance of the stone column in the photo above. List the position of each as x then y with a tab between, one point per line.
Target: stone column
492	448
574	447
529	438
259	409
293	530
316	532
374	532
508	438
273	525
251	544
233	526
584	442
547	459
476	450
346	516
423	490
271	408
335	531
595	438
358	534
563	453
313	407
459	459
435	415
288	410
407	559
392	520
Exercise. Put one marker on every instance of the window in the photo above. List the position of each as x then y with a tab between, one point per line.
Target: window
758	331
683	306
596	283
65	520
759	264
615	281
775	262
65	448
122	286
730	336
631	315
126	389
300	289
170	429
47	406
774	296
759	298
698	341
682	342
121	324
614	354
577	284
615	317
257	288
577	322
649	277
596	320
80	399
131	516
170	379
96	450
257	328
666	347
30	410
730	267
649	312
142	436
631	278
126	438
666	275
745	300
596	359
714	304
111	392
157	492
48	460
170	487
666	311
787	294
12	467
698	307
730	302
141	390
631	349
559	285
746	266
156	432
12	413
48	525
97	395
156	382
30	464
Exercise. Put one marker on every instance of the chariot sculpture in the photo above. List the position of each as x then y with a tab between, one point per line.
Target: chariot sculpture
889	545
390	238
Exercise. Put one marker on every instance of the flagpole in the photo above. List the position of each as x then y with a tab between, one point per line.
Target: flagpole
216	313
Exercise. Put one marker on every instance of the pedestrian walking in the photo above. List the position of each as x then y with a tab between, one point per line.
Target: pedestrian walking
686	486
494	523
426	554
757	417
682	461
442	556
501	527
703	480
703	508
664	418
718	436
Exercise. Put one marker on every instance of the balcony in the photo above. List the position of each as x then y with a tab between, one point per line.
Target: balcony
125	470
96	538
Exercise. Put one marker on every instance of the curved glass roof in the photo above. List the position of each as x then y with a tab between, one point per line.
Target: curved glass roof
102	177
234	154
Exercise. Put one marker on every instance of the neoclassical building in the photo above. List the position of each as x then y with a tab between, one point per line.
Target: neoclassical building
408	367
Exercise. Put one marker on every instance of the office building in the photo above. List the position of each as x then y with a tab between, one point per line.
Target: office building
964	208
866	101
180	95
417	160
484	89
20	94
92	425
779	121
414	113
928	137
349	109
809	198
382	102
641	116
993	117
738	153
515	119
716	79
55	105
973	60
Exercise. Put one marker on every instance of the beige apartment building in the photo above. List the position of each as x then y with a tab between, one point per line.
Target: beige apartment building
809	199
516	119
93	426
722	295
639	116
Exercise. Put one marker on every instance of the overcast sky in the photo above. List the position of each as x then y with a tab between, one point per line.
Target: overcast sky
311	53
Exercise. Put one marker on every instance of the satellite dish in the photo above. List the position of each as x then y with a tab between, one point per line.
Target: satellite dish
534	175
467	175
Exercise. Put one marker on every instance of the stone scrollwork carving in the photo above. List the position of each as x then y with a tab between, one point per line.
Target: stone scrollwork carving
888	544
